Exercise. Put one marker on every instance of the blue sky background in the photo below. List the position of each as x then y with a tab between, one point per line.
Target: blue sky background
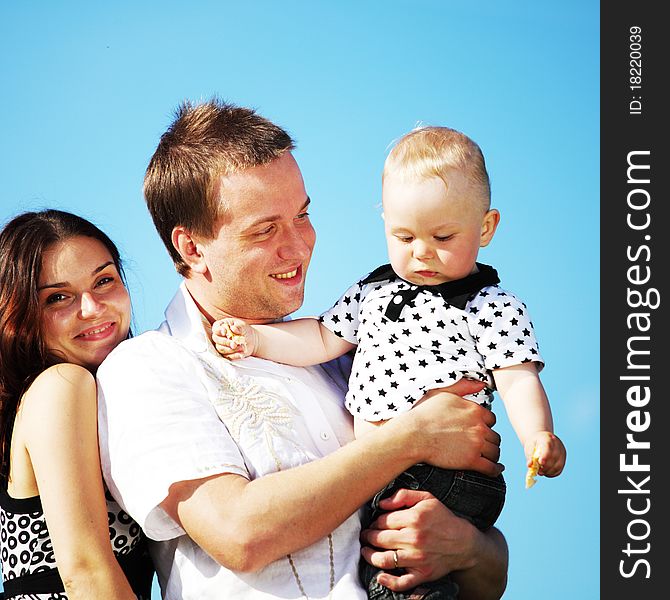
89	87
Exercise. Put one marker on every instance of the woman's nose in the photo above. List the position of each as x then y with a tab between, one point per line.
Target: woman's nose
90	307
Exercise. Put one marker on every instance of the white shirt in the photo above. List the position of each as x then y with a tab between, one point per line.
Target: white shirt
172	409
432	344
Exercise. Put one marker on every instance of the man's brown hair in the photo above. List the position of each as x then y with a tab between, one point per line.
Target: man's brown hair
204	142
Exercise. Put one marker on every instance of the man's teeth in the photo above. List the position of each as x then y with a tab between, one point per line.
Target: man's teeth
285	275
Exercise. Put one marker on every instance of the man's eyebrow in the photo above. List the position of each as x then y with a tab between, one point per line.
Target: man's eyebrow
62	284
271	218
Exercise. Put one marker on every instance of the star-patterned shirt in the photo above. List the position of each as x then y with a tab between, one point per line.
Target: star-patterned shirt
412	339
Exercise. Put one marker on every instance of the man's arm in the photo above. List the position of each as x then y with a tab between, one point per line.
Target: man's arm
175	467
245	525
487	578
432	541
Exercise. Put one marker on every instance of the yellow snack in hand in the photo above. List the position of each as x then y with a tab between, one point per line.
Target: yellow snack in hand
533	470
233	337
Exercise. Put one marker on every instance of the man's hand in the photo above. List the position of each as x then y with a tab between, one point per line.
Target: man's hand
455	433
430	542
429	539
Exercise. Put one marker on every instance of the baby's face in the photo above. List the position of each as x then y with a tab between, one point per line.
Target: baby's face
434	233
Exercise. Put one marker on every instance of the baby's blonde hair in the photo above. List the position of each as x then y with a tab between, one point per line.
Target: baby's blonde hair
430	151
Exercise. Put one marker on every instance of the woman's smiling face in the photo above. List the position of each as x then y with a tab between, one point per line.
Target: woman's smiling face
85	307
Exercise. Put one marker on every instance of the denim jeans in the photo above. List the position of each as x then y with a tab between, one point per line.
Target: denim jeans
468	494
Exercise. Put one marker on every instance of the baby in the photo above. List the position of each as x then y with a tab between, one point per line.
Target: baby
431	317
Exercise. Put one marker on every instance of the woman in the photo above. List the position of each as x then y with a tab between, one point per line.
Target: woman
63	308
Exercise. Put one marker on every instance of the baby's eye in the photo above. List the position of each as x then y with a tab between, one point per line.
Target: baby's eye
404	238
443	238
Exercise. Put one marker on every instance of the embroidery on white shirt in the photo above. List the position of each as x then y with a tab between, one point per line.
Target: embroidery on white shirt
247	408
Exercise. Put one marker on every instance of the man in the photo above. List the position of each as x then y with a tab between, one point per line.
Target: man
247	474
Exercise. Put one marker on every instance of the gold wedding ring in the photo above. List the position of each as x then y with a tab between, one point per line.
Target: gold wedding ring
395	558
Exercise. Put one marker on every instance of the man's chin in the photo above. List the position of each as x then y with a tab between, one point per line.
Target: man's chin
275	311
289	307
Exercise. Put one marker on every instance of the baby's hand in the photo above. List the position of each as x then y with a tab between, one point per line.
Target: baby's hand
546	453
233	338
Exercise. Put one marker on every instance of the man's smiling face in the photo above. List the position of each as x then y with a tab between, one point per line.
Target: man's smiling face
259	256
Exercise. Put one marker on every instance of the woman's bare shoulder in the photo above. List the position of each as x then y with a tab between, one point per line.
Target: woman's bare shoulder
59	384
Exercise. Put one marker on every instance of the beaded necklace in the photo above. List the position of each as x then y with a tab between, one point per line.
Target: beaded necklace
332	570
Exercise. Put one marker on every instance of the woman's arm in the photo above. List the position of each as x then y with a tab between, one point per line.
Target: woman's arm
59	421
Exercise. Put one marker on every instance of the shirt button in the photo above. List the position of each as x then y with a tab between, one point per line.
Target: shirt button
325	436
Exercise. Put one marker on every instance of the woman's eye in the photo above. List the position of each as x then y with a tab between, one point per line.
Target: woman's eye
55	298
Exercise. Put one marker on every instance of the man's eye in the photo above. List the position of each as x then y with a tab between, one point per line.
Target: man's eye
265	231
303	215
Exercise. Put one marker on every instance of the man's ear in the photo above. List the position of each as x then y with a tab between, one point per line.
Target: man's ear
189	250
489	226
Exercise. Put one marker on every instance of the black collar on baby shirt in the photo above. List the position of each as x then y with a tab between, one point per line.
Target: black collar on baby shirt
456	293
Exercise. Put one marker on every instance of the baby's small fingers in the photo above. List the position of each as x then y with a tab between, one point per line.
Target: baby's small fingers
237	327
224	342
218	338
233	354
219	328
553	468
544	454
226	347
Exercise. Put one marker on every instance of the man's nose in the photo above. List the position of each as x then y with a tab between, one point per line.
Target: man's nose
295	245
90	307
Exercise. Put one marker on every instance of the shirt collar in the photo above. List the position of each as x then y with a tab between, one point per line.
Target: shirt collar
185	321
456	293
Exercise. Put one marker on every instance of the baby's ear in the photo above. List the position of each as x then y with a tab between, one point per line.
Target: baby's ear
489	226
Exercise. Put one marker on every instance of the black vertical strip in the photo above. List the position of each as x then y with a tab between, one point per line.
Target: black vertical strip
635	245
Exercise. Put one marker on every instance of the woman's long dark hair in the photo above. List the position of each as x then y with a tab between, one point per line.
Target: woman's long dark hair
23	354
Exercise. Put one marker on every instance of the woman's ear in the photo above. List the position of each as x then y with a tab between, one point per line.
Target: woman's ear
189	250
489	226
